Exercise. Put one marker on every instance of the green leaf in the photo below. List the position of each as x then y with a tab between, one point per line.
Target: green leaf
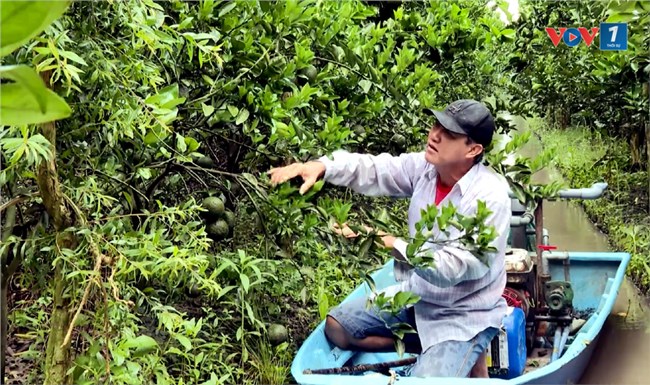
227	8
19	107
155	134
242	117
199	358
644	5
400	347
402	298
187	344
508	33
29	79
249	310
365	247
192	144
370	282
519	193
207	110
365	85
318	185
180	143
167	98
22	20
245	282
323	303
144	172
143	344
214	380
620	17
265	5
72	56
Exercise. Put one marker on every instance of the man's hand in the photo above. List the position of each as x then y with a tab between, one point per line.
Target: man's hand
346	231
310	172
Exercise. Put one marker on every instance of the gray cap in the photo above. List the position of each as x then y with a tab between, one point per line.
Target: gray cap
467	117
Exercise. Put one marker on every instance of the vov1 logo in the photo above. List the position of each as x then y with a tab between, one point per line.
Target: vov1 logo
613	36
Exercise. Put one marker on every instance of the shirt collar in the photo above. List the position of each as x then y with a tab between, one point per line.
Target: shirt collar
468	178
463	183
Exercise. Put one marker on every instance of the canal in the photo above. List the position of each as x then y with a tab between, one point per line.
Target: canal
620	357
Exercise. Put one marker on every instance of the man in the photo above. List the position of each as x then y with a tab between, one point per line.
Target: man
461	306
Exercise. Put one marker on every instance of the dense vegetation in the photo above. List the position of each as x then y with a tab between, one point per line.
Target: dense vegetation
622	212
121	269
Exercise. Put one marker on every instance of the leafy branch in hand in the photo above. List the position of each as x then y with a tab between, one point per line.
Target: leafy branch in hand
473	235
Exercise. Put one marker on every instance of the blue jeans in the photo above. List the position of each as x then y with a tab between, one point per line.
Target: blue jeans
445	359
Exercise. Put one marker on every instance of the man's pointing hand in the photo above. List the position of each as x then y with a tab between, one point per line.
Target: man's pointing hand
309	172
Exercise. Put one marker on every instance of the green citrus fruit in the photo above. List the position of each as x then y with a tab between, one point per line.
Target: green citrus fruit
277	334
310	72
205	162
218	229
214	206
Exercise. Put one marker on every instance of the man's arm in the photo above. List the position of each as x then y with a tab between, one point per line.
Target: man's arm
374	175
453	264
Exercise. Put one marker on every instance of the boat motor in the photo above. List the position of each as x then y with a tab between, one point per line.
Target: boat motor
559	297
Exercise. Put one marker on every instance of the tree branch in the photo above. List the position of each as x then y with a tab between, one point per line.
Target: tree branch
157	181
135	190
48	178
17	200
236	79
98	264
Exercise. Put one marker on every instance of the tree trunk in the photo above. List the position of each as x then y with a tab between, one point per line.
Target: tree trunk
48	184
5	274
564	118
3	321
647	165
57	356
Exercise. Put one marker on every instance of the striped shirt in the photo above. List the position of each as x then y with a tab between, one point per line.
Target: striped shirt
461	296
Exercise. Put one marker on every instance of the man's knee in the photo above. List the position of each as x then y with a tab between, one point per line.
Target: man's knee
336	333
448	359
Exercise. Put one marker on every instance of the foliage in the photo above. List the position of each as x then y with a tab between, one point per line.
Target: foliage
518	170
585	85
157	87
473	236
27	100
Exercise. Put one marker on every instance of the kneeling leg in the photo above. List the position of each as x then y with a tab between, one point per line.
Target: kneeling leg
351	326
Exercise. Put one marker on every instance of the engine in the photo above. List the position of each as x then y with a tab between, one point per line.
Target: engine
521	280
520	288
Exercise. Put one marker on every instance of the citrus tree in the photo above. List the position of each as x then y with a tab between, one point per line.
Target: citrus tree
583	85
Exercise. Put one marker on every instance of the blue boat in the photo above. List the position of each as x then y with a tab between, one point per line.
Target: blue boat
549	344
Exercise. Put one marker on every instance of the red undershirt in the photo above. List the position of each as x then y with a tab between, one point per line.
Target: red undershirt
441	191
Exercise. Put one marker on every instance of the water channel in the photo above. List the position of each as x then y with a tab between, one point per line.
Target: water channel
620	357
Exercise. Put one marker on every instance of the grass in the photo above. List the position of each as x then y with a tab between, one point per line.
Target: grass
273	364
585	157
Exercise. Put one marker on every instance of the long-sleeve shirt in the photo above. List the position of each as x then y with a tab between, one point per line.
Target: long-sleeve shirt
460	296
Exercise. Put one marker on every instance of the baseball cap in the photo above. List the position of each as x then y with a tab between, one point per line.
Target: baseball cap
468	117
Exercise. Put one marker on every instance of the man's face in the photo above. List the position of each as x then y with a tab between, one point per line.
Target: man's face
446	148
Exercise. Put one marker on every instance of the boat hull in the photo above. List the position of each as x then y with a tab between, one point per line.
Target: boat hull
596	279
